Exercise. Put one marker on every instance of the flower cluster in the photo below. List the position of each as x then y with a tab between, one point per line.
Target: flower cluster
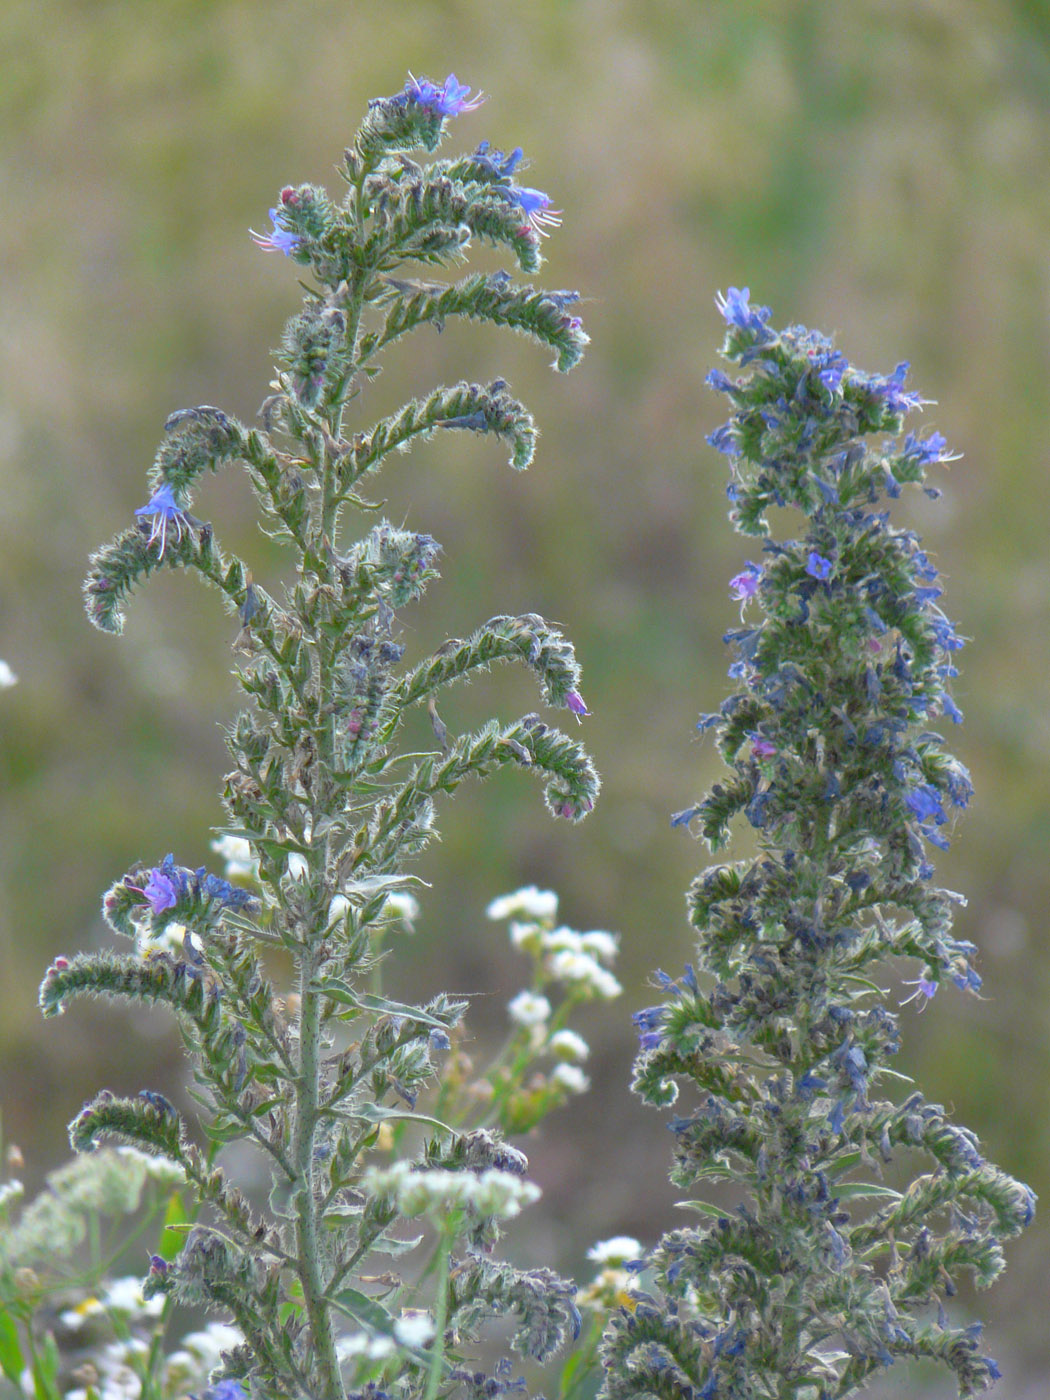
822	1276
575	968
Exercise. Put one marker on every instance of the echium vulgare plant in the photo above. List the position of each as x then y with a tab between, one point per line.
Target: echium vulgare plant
328	812
855	1213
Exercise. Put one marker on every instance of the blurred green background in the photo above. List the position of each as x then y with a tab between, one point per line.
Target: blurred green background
878	170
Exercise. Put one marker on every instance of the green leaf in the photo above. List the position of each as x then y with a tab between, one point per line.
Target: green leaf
377	1113
365	1310
704	1208
853	1189
11	1361
170	1244
341	992
46	1365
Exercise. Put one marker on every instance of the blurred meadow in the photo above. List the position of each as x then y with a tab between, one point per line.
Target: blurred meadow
876	170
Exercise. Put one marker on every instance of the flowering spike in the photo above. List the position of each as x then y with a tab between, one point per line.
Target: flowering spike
781	1033
325	808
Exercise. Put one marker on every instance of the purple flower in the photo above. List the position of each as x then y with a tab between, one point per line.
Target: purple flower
163	888
446	101
760	747
925	991
744	585
536	207
576	704
817	566
165	514
735	308
282	240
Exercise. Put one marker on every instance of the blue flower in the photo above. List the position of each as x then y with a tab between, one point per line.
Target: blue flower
737	312
166	515
722	441
930	449
536	207
574	700
448	100
496	161
925	802
744	585
222	1390
282	240
817	566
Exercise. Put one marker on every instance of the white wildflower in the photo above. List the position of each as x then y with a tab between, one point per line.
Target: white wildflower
124	1295
529	1009
581	969
10	1192
402	905
601	945
527	903
567	1045
237	853
528	937
414	1329
439	1191
563	940
156	1166
617	1250
361	1344
572	1078
74	1318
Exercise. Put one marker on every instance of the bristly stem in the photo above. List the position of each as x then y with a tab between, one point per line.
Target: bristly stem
306	1233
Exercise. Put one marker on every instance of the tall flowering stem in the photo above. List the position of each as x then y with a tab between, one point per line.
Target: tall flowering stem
326	812
858	1203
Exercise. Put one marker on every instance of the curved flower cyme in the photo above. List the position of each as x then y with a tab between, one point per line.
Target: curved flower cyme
166	515
448	100
282	240
536	207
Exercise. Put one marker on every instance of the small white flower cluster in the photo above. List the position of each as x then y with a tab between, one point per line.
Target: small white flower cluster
438	1191
119	1366
123	1296
237	853
580	959
414	1328
529	903
109	1182
617	1250
360	1346
613	1286
198	1355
